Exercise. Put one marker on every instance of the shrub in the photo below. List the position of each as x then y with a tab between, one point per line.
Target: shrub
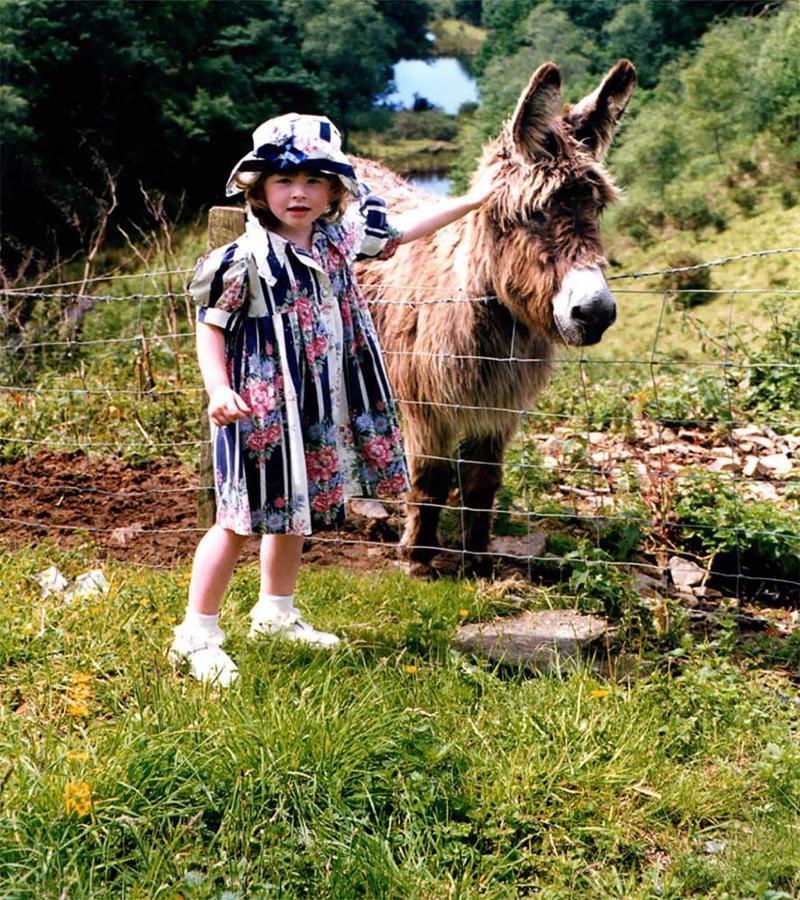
427	124
745	199
685	283
788	197
774	381
751	540
692	214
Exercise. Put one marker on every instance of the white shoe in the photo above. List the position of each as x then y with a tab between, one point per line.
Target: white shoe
290	625
207	660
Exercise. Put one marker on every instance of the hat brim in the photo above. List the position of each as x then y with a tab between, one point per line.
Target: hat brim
250	168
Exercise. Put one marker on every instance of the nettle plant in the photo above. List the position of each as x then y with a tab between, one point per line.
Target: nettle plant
751	538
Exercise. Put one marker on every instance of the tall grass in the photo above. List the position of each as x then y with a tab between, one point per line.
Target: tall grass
390	768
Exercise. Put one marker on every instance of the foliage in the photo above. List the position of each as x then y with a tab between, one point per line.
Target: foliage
687	282
761	539
773	382
165	93
432	124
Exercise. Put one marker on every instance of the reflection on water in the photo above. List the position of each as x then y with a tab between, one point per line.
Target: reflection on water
433	184
443	81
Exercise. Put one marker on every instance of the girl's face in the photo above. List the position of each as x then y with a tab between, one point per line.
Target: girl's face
297	200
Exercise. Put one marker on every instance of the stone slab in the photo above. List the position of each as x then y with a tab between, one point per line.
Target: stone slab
535	640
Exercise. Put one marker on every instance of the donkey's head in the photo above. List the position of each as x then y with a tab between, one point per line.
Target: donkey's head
544	257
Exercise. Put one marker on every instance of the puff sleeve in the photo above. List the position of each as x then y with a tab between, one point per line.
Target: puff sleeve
368	232
220	284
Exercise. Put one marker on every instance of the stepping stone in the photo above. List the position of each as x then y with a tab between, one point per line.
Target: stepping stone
535	640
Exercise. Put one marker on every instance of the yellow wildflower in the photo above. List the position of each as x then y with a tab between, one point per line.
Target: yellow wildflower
77	756
411	669
81	678
77	798
599	693
463	612
171	620
79	710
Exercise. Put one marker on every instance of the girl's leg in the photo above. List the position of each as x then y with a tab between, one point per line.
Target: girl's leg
275	612
214	561
280	562
199	638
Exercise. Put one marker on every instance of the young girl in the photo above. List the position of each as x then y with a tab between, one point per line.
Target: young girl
302	411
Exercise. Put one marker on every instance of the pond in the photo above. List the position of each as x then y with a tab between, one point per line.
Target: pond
443	81
435	184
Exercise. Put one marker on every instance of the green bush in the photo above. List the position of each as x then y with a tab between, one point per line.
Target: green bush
751	538
774	381
428	124
685	283
788	197
745	199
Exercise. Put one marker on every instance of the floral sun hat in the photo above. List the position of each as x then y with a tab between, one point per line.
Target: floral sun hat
290	141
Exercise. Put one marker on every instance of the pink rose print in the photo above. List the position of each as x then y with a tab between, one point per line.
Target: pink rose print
316	348
378	452
261	438
302	308
262	398
394	485
325	500
322	465
280	502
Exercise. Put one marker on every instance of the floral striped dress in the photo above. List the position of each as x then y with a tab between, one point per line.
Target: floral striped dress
302	351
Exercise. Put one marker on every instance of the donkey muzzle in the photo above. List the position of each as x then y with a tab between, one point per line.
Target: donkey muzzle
583	308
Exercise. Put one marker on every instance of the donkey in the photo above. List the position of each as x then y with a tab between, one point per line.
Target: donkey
468	318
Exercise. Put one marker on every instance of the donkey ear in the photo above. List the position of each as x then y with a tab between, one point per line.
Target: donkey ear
594	119
536	108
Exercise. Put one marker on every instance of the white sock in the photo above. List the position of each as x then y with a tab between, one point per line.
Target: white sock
271	606
200	623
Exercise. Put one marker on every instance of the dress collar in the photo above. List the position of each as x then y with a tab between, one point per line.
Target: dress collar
271	250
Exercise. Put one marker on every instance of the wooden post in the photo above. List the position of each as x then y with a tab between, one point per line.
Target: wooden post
225	224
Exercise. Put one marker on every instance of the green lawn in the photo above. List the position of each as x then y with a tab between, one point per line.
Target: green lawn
391	768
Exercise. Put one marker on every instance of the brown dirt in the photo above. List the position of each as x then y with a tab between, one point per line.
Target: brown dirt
143	514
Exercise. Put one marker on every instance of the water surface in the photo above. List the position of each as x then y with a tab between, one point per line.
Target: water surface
442	81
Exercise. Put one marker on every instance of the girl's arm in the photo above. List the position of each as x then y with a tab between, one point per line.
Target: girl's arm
224	404
425	220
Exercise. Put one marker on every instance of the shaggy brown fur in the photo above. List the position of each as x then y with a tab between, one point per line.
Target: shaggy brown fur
452	363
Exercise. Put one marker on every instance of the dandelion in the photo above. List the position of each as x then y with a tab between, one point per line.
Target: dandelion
463	613
79	695
77	798
600	692
411	669
78	710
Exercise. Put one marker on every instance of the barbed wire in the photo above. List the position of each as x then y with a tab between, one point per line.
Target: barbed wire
670	270
600	474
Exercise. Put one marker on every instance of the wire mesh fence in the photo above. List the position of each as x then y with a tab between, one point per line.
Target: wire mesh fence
682	438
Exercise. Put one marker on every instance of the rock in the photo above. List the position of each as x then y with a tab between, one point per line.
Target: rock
776	464
51	581
534	640
90	584
126	534
370	509
750	466
706	593
647	586
525	547
684	572
723	464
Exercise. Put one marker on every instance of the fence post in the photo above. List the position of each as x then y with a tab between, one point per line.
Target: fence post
225	223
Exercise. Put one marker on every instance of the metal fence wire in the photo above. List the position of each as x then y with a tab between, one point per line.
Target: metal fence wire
695	452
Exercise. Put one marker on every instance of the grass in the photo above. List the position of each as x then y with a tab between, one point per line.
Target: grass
391	768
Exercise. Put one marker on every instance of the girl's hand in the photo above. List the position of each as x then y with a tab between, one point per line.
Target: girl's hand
226	406
484	186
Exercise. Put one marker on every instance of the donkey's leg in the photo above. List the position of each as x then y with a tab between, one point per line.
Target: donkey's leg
480	474
428	448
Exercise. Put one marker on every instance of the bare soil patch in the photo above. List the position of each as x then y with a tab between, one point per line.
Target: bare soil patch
143	514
